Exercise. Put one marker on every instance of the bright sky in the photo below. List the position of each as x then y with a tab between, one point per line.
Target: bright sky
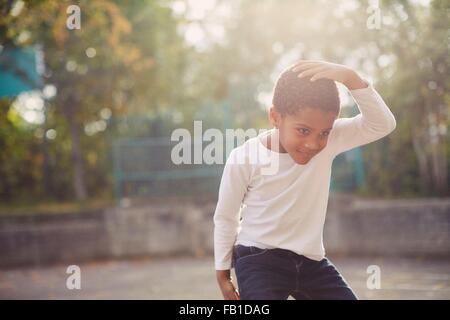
207	18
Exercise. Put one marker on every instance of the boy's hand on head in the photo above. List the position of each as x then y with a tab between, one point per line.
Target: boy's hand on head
326	70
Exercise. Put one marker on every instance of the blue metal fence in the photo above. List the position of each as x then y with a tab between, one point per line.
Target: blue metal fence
143	166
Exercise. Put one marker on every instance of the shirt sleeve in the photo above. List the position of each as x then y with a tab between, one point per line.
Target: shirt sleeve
374	121
233	187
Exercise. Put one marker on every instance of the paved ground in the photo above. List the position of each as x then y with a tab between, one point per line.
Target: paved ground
194	278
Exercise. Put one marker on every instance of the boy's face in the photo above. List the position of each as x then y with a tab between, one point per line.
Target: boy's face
303	134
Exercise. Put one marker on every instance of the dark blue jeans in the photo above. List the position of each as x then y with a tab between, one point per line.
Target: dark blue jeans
274	274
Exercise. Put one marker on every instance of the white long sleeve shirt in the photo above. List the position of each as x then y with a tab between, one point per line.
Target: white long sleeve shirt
287	209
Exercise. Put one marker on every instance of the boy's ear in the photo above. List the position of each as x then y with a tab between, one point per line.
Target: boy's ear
274	117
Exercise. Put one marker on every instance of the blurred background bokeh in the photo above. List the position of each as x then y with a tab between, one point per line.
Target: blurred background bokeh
91	92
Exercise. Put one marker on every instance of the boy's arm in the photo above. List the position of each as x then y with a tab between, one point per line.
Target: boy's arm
233	186
375	120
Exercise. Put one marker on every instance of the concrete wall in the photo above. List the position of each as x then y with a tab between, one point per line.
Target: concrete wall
400	227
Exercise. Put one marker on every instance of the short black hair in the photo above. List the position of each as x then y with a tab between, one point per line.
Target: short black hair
292	93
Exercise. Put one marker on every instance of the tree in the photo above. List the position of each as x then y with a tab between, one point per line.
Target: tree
103	65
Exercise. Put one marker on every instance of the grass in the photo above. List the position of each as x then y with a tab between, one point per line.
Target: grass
63	207
54	207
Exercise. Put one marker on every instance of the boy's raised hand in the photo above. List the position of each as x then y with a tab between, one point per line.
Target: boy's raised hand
321	69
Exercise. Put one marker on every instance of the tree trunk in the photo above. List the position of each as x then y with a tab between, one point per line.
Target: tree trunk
419	144
46	160
77	157
439	166
432	158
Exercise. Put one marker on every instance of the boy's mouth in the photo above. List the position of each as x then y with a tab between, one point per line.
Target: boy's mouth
307	154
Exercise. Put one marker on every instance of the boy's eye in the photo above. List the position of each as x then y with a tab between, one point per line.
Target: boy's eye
303	130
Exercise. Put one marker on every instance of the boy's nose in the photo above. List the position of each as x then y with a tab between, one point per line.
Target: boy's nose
311	147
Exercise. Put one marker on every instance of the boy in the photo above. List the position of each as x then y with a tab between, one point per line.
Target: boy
277	249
